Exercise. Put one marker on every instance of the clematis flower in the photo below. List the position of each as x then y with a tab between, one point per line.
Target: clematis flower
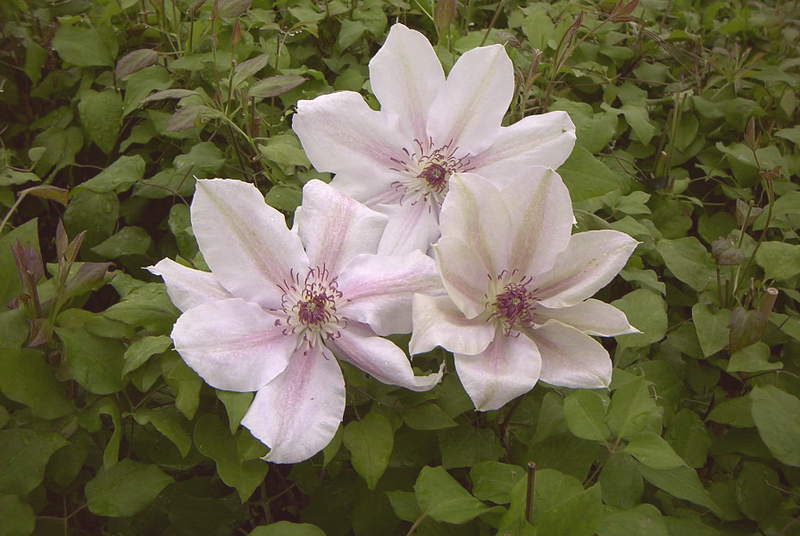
279	304
518	307
401	159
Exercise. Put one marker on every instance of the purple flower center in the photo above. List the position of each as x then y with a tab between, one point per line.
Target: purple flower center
436	175
513	304
309	306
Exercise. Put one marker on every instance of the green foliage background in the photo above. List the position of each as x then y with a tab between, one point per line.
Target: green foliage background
687	117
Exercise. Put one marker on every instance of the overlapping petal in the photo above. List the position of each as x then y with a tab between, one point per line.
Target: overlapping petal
297	413
506	369
591	316
379	289
537	140
334	228
340	132
464	275
186	286
570	358
542	219
475	212
411	227
438	322
473	100
244	241
380	358
232	344
406	76
589	263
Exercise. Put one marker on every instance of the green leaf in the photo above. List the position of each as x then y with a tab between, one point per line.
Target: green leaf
23	457
129	241
170	423
91	212
779	260
712	327
285	528
643	519
90	419
236	405
404	504
13	328
350	32
586	176
442	498
758	491
653	451
125	489
18	518
734	412
647	311
585	413
101	117
753	358
27	234
140	84
118	177
184	381
688	436
213	440
94	362
25	377
83	47
284	197
681	482
143	349
621	482
632	408
428	416
494	481
285	149
135	61
370	443
484	445
688	260
776	414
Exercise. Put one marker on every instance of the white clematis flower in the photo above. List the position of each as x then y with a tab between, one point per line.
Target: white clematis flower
279	304
400	160
519	285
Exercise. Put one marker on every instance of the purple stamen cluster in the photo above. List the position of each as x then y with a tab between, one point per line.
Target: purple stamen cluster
310	305
515	305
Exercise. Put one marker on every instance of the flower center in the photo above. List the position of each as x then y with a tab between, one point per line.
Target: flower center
510	302
310	306
423	174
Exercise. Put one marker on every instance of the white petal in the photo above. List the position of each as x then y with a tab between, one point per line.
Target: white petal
437	322
464	275
474	211
410	228
244	241
571	358
405	76
589	263
537	140
372	186
335	228
541	214
591	316
297	413
232	344
380	358
508	368
186	286
471	104
379	289
340	132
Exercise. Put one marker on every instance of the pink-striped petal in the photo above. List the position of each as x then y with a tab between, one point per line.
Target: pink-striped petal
379	289
592	317
570	358
438	322
244	241
296	415
380	358
232	344
508	368
186	286
335	228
